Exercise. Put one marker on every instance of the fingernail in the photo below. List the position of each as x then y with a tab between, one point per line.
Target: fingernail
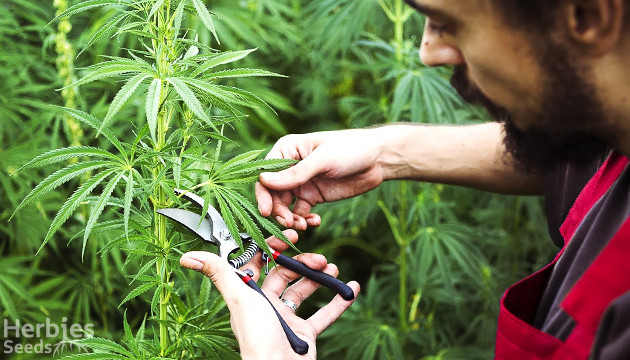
280	219
192	264
270	176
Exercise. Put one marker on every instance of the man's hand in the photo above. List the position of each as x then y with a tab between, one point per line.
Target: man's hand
337	165
334	165
254	322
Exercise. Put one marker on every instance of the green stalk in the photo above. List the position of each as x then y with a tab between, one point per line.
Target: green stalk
160	196
65	71
398	15
402	258
399	22
402	295
163	270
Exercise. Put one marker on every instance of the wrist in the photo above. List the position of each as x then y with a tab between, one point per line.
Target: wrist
395	143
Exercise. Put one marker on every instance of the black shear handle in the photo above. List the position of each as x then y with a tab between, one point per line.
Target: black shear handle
298	345
318	276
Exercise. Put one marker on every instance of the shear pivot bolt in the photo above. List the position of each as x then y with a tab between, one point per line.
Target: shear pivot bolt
225	234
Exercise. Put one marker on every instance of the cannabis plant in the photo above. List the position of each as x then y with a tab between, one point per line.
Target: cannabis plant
182	85
431	292
151	100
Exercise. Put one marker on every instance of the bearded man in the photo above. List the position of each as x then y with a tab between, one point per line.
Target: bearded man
554	75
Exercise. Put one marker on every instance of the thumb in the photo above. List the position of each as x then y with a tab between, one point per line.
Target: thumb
294	176
219	271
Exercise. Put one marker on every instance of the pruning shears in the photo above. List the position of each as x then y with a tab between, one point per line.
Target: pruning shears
212	228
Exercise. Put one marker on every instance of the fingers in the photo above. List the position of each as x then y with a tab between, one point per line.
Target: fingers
279	277
280	204
221	274
304	287
277	203
280	245
235	292
274	191
313	220
293	221
294	176
301	208
263	197
331	312
257	263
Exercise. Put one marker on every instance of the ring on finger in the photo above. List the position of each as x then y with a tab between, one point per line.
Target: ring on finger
290	304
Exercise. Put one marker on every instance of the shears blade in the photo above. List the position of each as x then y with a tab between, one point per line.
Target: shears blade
217	224
192	221
204	228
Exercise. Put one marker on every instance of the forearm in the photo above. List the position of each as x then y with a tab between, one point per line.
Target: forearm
472	156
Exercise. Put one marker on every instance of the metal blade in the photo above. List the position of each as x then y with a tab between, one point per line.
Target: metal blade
220	230
192	221
226	247
219	227
190	196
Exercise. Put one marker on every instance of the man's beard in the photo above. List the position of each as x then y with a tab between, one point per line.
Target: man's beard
564	123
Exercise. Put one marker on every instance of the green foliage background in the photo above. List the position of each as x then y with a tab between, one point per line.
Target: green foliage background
432	259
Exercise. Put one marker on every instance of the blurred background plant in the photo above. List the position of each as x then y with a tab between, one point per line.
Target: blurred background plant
432	259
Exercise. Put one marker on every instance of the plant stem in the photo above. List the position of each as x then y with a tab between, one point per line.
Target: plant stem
398	15
402	258
399	21
163	271
162	242
65	71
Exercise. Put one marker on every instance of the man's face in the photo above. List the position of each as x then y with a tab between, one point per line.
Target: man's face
549	111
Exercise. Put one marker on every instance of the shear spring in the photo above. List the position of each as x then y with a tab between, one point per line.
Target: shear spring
246	256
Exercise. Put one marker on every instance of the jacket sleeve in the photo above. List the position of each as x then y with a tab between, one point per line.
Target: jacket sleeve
613	336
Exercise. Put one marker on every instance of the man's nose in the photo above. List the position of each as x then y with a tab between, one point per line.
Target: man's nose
435	52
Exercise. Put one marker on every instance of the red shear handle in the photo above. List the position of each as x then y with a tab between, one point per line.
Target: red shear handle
298	345
318	276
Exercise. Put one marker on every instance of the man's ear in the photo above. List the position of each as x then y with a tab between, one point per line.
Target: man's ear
595	26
